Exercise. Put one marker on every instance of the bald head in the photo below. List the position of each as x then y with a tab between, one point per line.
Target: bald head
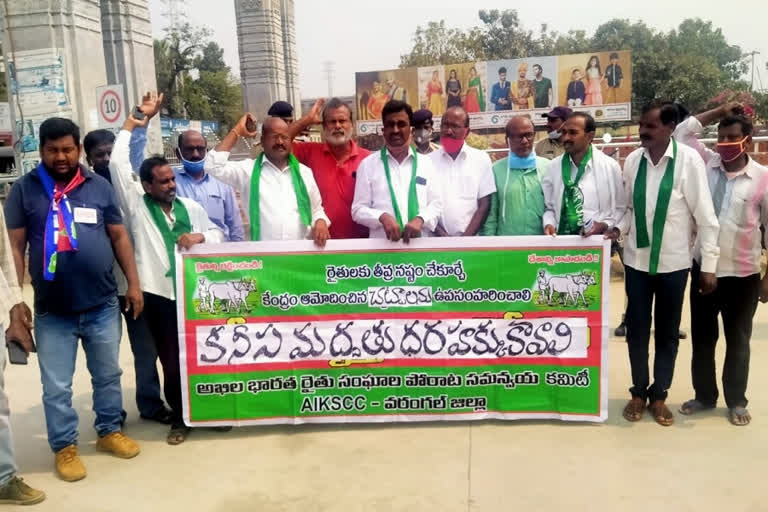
276	140
458	113
520	134
192	145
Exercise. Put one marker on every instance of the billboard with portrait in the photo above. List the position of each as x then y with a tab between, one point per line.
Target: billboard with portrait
491	92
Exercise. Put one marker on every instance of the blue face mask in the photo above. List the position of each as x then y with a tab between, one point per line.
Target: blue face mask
193	167
518	162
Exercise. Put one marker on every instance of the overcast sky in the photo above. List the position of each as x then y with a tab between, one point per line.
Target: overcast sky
362	35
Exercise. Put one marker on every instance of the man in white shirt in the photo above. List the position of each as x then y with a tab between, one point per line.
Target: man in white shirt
279	194
583	190
739	188
159	222
397	194
466	176
669	200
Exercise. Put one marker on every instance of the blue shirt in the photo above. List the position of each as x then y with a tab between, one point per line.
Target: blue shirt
216	198
83	279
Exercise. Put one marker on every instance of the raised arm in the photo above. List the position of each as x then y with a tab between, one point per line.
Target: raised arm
120	167
239	130
315	116
149	107
217	164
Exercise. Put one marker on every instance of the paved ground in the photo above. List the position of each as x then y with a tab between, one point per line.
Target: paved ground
701	463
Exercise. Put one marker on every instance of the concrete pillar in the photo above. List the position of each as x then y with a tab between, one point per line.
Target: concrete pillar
293	94
66	31
262	57
129	54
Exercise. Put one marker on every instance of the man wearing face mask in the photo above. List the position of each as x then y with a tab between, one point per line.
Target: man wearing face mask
193	182
334	163
422	132
396	193
739	188
466	176
517	207
552	146
583	189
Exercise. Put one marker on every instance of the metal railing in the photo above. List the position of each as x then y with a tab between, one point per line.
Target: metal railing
631	144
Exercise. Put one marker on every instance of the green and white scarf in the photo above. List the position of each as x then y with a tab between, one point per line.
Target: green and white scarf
182	226
572	210
302	197
662	204
413	198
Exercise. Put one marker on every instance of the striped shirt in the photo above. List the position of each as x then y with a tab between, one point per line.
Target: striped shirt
741	205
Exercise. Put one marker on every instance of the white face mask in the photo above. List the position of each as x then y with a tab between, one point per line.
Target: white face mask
421	135
555	134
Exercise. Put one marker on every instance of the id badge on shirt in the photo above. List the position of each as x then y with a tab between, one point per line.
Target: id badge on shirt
85	215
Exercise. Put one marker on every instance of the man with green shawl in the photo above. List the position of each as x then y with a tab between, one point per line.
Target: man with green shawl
670	205
279	194
583	190
517	206
160	224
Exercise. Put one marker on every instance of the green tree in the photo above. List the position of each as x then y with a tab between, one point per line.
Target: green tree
175	57
761	105
197	82
437	43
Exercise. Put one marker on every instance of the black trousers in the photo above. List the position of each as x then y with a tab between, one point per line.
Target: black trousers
161	319
735	299
662	295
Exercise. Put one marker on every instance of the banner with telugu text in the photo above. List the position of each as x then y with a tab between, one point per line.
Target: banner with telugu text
371	331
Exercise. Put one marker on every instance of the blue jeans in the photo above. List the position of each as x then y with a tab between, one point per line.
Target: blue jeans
57	336
148	399
7	458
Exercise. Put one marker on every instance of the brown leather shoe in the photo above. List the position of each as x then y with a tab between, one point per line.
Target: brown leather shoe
119	444
69	465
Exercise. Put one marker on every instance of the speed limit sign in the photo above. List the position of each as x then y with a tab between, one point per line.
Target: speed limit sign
111	105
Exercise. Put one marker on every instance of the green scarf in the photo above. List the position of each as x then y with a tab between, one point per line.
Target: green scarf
571	212
413	199
170	236
662	204
302	197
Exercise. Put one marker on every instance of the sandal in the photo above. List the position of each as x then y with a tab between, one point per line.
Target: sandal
694	406
633	411
739	416
661	413
177	434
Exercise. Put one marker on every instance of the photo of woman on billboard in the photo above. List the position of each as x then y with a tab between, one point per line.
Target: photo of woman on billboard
435	95
475	100
453	89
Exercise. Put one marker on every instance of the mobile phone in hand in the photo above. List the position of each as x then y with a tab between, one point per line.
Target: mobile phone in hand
16	354
137	113
250	125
